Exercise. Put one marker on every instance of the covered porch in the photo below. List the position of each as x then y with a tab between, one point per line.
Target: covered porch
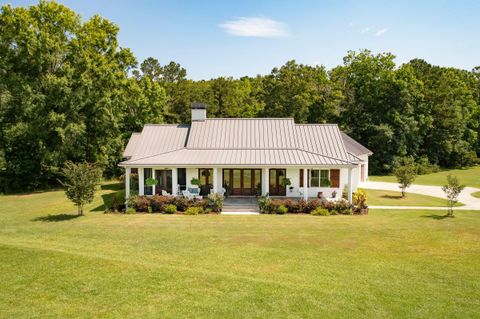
299	182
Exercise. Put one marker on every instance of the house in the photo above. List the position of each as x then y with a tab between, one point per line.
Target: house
246	156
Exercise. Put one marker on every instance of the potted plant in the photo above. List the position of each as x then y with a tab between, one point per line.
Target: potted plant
286	182
151	182
195	182
325	182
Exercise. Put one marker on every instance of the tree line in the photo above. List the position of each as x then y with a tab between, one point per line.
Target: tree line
69	92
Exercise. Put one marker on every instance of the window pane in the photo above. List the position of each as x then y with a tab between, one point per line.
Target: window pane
324	178
315	178
258	179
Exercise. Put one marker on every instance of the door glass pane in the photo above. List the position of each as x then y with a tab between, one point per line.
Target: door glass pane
226	178
182	178
247	179
206	176
273	177
237	178
258	181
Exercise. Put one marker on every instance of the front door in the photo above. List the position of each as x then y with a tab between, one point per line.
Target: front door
246	182
275	181
164	178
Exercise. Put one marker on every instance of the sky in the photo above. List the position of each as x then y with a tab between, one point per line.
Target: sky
248	37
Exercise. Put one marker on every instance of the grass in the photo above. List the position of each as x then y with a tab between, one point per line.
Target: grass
388	264
391	198
468	176
476	194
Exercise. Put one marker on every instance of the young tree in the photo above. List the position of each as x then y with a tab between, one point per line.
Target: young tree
405	170
452	190
80	181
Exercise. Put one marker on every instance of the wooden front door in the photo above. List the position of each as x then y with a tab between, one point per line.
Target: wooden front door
242	181
275	179
164	178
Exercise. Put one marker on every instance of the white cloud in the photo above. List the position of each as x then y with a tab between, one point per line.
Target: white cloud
255	27
380	32
365	30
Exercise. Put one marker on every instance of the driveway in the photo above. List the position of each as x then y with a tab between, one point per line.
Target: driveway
471	203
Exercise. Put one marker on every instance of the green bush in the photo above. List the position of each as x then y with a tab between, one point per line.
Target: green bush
265	205
130	210
320	212
194	211
170	209
333	212
215	202
281	210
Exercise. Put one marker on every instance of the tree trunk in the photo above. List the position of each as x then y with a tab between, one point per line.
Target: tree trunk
80	210
403	191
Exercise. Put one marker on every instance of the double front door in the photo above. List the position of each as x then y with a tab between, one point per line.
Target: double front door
247	182
275	179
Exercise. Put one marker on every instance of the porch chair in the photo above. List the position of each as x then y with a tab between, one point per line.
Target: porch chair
165	193
187	194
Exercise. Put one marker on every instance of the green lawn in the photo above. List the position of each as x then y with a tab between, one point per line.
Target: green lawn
390	198
389	264
469	177
476	194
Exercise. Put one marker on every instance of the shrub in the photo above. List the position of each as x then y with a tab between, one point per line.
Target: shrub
425	167
345	192
311	205
194	211
170	209
215	202
140	203
159	202
149	209
320	212
333	212
265	205
360	198
130	210
281	210
342	206
182	203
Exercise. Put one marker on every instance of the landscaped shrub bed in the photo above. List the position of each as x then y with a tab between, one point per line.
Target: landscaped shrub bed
315	206
172	204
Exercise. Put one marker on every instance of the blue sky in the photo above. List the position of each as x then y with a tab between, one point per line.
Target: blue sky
236	38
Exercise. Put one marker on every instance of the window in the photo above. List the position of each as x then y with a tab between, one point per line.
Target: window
147	173
319	178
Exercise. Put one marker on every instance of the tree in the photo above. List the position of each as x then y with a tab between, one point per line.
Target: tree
452	190
405	171
80	181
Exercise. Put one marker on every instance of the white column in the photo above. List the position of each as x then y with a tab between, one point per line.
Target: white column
153	176
127	182
140	181
215	179
305	184
350	185
174	181
265	181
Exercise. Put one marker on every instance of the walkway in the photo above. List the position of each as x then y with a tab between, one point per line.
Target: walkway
240	206
471	203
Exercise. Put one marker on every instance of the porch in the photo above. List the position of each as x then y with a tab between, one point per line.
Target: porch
246	182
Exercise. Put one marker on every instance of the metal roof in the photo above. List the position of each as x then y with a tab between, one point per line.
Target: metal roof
132	145
242	142
353	146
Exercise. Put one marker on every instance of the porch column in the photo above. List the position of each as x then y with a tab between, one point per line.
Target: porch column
140	182
350	185
127	183
265	181
174	181
153	176
215	180
305	183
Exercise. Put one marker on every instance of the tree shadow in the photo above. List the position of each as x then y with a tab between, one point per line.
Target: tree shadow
108	199
111	187
437	217
55	218
392	196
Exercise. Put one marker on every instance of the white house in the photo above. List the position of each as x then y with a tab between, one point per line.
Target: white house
246	156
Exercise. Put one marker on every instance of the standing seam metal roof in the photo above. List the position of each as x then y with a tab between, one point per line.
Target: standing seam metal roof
257	141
